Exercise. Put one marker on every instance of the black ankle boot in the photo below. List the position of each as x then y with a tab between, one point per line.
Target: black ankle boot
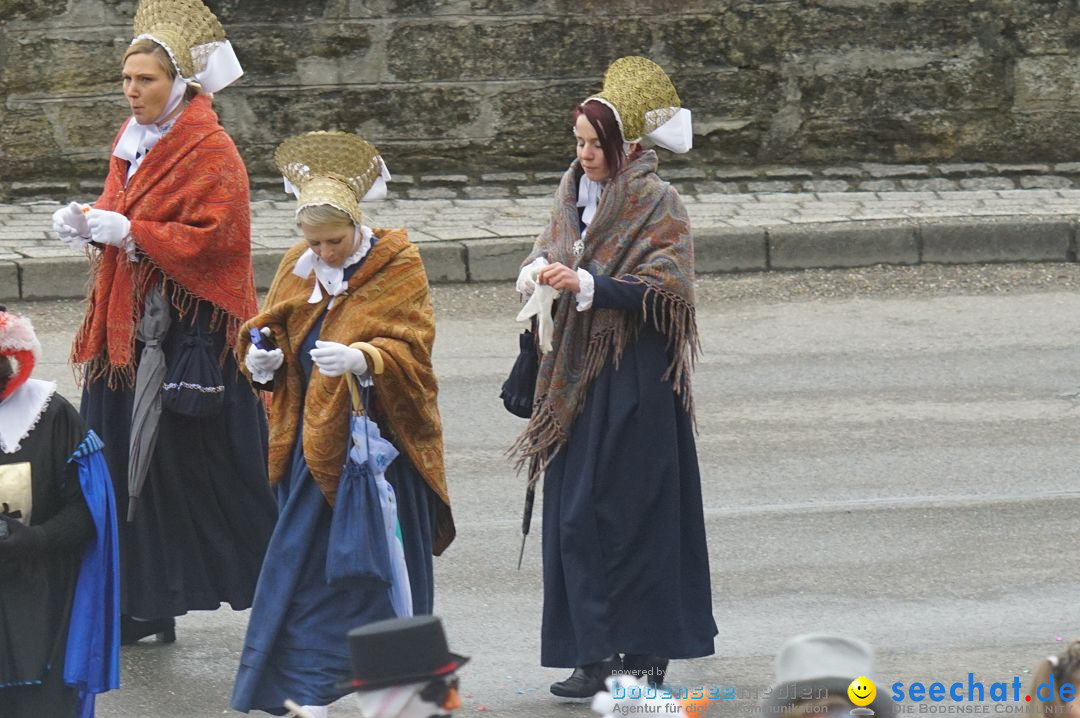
132	631
586	681
652	668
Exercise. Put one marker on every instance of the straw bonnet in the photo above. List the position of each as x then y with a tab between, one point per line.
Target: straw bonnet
330	167
646	104
194	39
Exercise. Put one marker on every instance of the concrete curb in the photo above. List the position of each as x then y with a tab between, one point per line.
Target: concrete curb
946	240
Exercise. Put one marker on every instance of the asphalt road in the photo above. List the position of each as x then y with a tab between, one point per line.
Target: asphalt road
890	453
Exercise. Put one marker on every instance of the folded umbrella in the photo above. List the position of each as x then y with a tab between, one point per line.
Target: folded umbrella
146	410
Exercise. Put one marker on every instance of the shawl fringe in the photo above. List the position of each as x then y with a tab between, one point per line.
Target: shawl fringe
669	314
146	276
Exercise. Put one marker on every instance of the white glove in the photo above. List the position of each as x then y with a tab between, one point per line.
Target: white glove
335	359
262	363
526	282
71	225
107	227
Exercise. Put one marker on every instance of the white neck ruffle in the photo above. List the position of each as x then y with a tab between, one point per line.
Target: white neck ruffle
588	197
332	278
21	411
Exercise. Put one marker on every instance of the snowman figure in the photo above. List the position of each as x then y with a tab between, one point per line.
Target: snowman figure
402	668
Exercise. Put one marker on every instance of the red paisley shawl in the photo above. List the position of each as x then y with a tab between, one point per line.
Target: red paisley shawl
191	220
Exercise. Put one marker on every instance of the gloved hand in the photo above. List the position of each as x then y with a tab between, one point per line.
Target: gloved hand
107	227
262	363
22	542
335	359
71	225
526	282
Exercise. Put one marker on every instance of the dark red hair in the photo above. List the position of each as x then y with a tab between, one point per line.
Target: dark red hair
607	129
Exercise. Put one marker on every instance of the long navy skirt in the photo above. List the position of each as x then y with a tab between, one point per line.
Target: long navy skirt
626	567
296	645
206	511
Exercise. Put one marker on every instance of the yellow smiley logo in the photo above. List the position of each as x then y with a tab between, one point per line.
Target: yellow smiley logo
862	691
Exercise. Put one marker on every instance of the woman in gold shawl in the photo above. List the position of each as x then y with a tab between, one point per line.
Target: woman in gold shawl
348	299
626	570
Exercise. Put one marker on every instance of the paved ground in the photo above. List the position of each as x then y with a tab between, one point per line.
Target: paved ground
484	239
888	452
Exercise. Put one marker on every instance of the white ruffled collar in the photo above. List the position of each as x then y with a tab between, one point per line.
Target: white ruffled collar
20	412
588	196
332	278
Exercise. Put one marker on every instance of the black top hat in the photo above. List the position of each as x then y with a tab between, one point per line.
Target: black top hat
398	651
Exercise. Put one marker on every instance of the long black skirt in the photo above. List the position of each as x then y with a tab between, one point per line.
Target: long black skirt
626	567
206	512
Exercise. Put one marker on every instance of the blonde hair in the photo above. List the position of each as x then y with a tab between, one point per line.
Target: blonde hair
147	46
1054	670
320	215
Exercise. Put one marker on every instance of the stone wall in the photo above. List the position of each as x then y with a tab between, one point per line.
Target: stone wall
470	88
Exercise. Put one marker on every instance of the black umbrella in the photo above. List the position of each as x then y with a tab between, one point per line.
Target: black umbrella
526	517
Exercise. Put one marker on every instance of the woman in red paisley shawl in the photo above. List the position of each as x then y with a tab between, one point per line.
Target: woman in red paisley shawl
170	261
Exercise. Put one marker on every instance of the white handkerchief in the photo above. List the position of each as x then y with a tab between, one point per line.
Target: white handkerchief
539	305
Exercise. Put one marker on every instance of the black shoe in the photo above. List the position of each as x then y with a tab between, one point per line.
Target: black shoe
652	668
588	680
132	631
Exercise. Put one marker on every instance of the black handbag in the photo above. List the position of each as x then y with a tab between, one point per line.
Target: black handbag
519	387
193	384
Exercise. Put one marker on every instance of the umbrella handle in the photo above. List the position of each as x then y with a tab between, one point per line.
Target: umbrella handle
374	356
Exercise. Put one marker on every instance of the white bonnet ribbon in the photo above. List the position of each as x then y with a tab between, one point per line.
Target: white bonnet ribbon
677	134
222	66
378	187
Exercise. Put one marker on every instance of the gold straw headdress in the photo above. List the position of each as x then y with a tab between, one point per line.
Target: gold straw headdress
194	39
331	167
645	103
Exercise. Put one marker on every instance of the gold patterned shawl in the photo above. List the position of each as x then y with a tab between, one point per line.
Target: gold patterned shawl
387	305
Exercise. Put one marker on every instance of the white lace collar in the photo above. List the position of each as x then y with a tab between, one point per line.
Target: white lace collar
20	412
588	196
332	278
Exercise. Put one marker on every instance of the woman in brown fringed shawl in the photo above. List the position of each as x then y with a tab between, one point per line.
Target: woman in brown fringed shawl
348	299
626	574
173	222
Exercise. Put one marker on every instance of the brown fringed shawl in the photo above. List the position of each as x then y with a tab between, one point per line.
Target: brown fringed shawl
191	220
388	305
641	233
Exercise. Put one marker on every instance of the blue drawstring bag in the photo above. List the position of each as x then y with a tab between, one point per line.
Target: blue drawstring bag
365	545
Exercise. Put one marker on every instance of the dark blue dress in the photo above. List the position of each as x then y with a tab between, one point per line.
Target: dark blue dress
626	567
295	645
206	511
